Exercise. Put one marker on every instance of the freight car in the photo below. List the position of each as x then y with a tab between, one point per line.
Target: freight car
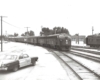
59	41
93	40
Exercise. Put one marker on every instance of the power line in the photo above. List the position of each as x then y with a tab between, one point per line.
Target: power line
11	24
14	25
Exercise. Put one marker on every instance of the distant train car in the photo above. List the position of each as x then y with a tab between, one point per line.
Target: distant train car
93	40
60	41
11	39
42	40
32	40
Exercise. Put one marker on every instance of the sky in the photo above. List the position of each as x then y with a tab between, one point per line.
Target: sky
78	16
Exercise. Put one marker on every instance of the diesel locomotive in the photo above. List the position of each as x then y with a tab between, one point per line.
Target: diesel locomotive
59	41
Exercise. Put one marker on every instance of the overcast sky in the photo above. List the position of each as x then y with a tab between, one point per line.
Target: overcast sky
78	16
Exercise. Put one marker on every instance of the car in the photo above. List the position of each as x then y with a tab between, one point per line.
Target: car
15	61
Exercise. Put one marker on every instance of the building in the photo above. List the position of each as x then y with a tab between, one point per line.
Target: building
78	38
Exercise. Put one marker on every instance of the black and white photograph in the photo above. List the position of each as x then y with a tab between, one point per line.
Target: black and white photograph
49	39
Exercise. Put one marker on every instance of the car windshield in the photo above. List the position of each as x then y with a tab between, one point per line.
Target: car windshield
10	57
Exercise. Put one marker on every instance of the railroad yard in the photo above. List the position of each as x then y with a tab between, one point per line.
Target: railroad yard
80	63
50	40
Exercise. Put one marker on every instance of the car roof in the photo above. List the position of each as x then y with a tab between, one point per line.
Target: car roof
17	54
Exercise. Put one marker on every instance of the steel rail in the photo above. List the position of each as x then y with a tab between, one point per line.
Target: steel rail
67	65
83	65
64	53
96	59
85	47
92	52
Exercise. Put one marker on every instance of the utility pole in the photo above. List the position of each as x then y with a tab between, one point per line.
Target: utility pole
78	38
27	33
1	34
41	28
41	31
27	30
6	35
92	30
55	31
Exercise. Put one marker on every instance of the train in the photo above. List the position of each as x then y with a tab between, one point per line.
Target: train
58	41
93	40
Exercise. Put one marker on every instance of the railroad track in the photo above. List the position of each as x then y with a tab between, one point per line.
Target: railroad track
96	51
79	70
90	56
86	47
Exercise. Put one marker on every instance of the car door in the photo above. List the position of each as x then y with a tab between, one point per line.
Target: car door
22	61
27	58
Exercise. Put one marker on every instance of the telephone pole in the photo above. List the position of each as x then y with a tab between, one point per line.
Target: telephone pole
92	30
26	34
41	28
27	29
1	33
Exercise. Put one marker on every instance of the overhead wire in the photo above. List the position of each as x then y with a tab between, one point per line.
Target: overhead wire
10	24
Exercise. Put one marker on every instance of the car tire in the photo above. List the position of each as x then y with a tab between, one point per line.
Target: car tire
15	68
33	63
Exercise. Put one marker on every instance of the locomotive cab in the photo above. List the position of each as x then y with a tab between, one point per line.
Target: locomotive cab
65	41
